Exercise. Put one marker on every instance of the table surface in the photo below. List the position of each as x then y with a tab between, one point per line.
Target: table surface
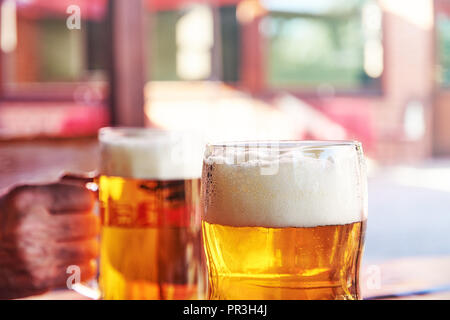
40	161
405	275
381	281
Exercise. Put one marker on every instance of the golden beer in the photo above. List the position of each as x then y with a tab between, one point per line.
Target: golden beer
151	230
294	230
149	249
284	263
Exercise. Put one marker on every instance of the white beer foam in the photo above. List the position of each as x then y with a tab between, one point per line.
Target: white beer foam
161	156
304	191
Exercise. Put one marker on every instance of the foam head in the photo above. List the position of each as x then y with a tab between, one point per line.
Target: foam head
150	154
290	184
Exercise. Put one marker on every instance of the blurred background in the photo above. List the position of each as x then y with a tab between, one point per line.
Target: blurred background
375	71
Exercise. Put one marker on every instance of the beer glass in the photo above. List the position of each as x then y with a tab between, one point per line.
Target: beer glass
284	219
149	194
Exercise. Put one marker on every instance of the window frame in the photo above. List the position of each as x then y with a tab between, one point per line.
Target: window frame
375	90
440	7
64	91
122	92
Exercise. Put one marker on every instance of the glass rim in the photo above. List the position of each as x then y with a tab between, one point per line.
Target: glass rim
139	132
286	144
124	131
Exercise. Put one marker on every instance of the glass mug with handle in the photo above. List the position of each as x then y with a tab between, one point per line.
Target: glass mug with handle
284	219
149	196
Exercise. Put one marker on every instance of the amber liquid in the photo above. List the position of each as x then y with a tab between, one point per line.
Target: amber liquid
151	239
283	263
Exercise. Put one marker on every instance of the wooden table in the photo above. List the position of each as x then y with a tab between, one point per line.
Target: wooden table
396	277
407	275
39	161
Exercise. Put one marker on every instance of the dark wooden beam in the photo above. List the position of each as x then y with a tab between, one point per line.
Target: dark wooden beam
253	73
127	63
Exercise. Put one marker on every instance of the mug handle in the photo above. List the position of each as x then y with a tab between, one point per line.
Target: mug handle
90	288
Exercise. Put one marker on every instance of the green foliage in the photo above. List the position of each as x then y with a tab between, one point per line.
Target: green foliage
443	36
308	51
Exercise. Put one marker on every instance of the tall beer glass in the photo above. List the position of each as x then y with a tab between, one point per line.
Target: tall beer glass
284	220
149	192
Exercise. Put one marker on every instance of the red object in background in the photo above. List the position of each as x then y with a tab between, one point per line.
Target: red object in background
27	120
89	9
161	5
83	120
95	9
352	114
442	6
